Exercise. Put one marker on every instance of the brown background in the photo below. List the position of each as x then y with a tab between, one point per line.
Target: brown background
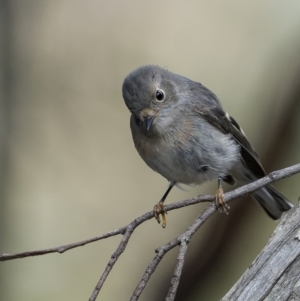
69	170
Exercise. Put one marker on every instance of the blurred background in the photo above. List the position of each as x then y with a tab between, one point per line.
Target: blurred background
69	169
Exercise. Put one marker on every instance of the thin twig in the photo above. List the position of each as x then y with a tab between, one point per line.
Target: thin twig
185	237
113	260
182	239
151	268
177	271
141	219
63	248
229	196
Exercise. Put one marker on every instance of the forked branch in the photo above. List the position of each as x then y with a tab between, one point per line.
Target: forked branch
181	240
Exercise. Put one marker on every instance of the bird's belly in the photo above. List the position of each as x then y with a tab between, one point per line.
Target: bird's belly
190	162
176	169
190	167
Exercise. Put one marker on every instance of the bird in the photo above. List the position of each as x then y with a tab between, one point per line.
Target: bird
180	129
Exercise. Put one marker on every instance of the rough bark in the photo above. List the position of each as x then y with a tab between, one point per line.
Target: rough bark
275	273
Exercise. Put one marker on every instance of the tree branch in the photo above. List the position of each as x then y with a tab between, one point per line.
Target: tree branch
181	240
185	237
274	274
177	271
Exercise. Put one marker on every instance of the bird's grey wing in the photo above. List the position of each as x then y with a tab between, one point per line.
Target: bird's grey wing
216	116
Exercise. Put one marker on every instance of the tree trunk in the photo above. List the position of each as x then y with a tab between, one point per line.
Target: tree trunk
275	273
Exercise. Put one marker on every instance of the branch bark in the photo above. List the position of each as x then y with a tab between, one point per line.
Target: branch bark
275	273
289	256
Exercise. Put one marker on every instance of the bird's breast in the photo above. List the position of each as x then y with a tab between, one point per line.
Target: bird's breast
189	156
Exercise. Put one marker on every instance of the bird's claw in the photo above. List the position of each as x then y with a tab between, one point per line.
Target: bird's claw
220	201
159	209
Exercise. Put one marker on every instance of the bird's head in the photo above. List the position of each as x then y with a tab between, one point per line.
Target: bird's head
149	93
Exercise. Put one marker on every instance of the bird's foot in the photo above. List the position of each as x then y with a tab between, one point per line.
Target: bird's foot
220	201
159	209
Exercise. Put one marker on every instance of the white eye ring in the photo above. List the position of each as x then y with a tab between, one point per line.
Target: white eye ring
160	95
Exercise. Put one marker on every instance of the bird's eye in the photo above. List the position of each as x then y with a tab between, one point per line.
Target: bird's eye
160	95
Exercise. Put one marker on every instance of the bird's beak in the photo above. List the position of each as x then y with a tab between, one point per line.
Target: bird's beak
148	122
146	118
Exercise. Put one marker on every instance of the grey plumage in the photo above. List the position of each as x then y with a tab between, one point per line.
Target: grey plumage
181	131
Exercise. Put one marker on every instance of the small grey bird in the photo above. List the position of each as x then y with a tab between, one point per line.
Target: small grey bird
181	131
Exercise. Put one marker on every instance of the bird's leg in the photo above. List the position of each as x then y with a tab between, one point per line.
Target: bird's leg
159	208
220	200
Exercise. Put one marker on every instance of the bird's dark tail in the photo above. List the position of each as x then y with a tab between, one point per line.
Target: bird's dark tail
272	201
